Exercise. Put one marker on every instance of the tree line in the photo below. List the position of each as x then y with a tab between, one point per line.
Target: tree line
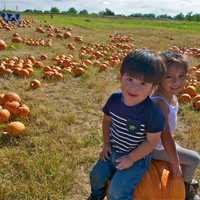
107	12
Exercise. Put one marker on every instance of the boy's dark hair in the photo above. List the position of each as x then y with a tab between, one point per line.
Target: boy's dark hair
173	58
144	64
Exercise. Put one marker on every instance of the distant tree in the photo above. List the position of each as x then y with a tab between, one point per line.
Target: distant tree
47	12
37	11
180	16
136	15
107	12
72	11
189	16
196	17
54	10
63	12
164	16
149	15
83	12
28	11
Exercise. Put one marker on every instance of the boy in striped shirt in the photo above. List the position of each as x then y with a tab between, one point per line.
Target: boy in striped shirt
132	125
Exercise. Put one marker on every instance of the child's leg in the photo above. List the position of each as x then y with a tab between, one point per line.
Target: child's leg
189	160
99	176
124	181
159	155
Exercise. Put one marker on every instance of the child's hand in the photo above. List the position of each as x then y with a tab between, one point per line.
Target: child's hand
124	162
176	169
106	151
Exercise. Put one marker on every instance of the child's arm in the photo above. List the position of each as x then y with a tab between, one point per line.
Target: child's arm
170	148
168	141
140	152
106	123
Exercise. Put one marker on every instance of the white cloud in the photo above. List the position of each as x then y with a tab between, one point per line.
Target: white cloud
170	7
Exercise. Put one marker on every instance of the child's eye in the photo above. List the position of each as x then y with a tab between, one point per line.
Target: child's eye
143	83
129	79
168	77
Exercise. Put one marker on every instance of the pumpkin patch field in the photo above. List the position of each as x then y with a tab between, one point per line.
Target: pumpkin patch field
55	75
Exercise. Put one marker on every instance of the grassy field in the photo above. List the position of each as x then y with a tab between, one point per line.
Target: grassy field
63	136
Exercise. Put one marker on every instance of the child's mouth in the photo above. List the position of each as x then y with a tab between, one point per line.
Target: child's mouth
132	95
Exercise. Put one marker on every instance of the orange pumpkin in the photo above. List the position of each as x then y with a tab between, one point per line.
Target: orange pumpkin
196	105
35	84
4	115
185	98
15	128
12	106
23	111
196	98
198	74
157	183
1	99
3	45
11	96
191	90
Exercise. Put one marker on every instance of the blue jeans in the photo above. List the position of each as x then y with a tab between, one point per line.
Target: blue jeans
123	182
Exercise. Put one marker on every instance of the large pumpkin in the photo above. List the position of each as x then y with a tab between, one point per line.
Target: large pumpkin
158	184
15	128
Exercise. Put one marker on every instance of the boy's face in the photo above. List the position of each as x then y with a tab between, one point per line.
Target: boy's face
134	90
174	80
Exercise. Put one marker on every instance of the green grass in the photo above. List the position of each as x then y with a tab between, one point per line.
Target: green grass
119	22
63	136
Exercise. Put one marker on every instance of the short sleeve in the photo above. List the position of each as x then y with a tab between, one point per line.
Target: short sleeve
155	121
107	106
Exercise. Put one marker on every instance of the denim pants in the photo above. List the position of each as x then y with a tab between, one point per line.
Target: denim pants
123	182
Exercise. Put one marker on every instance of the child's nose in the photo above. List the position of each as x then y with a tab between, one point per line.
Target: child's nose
176	81
134	88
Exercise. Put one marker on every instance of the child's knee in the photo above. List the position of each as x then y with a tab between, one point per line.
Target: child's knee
114	193
99	175
95	176
117	191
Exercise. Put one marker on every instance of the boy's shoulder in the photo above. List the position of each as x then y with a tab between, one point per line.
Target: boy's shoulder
152	108
116	95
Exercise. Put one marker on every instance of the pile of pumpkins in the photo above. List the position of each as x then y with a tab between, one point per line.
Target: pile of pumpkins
194	52
17	38
190	95
11	106
11	25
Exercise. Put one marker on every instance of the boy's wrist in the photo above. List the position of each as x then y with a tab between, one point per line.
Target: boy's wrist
131	157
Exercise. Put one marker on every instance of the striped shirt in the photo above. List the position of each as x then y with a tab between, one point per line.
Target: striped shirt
131	123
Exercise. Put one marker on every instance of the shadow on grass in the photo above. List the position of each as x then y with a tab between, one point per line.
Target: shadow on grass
8	141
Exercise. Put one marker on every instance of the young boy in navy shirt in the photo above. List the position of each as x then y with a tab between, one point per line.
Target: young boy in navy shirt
132	125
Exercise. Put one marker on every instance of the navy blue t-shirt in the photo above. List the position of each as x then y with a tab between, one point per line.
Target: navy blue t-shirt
131	123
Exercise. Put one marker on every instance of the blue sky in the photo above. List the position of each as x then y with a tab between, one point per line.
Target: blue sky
170	7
